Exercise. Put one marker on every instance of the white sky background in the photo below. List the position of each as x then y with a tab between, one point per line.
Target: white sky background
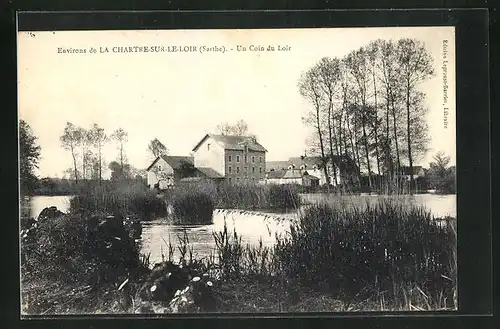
178	97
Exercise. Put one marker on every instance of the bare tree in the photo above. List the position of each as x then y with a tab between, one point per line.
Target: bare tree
240	128
388	60
98	138
70	140
224	128
415	67
357	62
309	89
329	76
121	137
373	57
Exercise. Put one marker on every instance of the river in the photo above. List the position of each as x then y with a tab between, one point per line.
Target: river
251	226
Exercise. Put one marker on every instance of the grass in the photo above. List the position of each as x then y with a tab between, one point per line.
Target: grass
385	257
389	256
244	196
192	207
119	199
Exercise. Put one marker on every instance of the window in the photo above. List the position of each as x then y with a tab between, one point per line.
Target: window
260	159
253	159
237	158
229	180
245	170
245	159
237	179
260	170
229	158
237	170
208	146
229	169
159	167
253	170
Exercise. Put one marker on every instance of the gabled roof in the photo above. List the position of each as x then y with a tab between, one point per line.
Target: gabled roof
209	172
173	161
232	142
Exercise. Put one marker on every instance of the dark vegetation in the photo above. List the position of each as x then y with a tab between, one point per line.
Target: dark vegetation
191	207
73	262
385	257
246	197
120	199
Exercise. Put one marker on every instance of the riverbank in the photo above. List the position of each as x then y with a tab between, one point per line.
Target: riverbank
385	257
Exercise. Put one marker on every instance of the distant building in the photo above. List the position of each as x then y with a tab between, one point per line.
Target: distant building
239	159
233	159
313	166
166	170
418	172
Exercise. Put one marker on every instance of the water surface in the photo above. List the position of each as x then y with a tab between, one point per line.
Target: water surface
251	226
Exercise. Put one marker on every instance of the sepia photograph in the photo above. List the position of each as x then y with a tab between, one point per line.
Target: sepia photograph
237	171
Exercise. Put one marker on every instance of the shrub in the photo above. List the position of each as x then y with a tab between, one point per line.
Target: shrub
75	248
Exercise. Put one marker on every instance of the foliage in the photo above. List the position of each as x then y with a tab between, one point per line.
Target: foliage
121	137
119	172
71	139
441	176
121	198
392	253
157	148
191	207
367	106
29	155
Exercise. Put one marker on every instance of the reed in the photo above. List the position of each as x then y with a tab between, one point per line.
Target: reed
245	196
119	199
392	255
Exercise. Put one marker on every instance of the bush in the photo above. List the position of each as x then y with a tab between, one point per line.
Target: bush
78	248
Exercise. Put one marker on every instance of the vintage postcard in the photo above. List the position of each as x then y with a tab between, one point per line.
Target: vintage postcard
237	171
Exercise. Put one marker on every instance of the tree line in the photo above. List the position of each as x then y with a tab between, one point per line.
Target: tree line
368	107
86	148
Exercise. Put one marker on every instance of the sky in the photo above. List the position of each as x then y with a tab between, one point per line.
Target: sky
178	97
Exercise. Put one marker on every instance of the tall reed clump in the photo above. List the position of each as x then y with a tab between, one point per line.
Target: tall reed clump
191	206
119	199
390	248
251	196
